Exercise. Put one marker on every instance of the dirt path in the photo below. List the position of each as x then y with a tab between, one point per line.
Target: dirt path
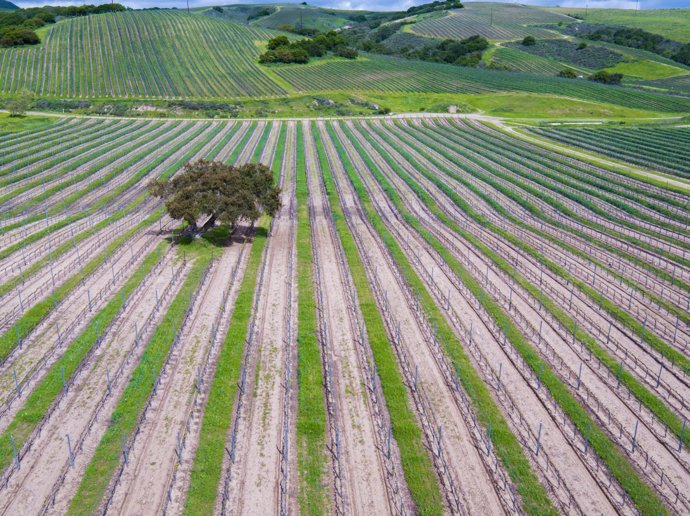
366	490
88	398
53	335
254	489
143	488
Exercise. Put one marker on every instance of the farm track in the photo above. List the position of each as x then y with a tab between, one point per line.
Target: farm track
143	486
260	436
434	400
83	411
604	394
374	478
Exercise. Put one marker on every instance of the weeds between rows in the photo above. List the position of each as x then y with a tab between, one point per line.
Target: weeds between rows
417	467
52	384
641	494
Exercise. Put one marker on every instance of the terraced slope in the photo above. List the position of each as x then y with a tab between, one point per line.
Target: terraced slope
141	54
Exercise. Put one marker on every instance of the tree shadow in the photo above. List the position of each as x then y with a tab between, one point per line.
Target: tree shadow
217	237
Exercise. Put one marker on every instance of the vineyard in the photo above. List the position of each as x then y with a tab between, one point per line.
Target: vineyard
441	316
658	148
141	54
491	20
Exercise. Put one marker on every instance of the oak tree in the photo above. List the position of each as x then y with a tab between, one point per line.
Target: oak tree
224	193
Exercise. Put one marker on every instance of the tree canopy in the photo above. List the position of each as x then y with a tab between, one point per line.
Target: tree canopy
224	193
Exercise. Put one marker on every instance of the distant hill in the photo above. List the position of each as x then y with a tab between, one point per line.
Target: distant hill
5	5
671	23
494	21
167	53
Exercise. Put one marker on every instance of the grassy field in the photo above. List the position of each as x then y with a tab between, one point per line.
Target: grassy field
672	23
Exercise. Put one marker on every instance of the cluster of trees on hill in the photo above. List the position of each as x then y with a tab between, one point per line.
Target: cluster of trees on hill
282	50
434	6
466	52
638	38
18	27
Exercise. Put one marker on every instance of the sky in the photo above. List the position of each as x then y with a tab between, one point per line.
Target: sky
373	5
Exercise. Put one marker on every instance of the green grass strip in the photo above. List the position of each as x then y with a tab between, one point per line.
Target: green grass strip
416	463
47	391
123	420
114	194
313	494
208	461
235	154
641	494
534	497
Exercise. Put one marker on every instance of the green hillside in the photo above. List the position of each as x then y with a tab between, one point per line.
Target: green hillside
491	20
672	23
162	55
5	5
141	54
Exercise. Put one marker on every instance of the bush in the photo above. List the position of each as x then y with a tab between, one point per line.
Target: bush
568	73
529	41
346	52
18	36
19	105
605	77
277	42
582	45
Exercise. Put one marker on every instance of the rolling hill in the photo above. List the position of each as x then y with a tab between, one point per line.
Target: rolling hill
170	54
5	5
493	21
162	53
